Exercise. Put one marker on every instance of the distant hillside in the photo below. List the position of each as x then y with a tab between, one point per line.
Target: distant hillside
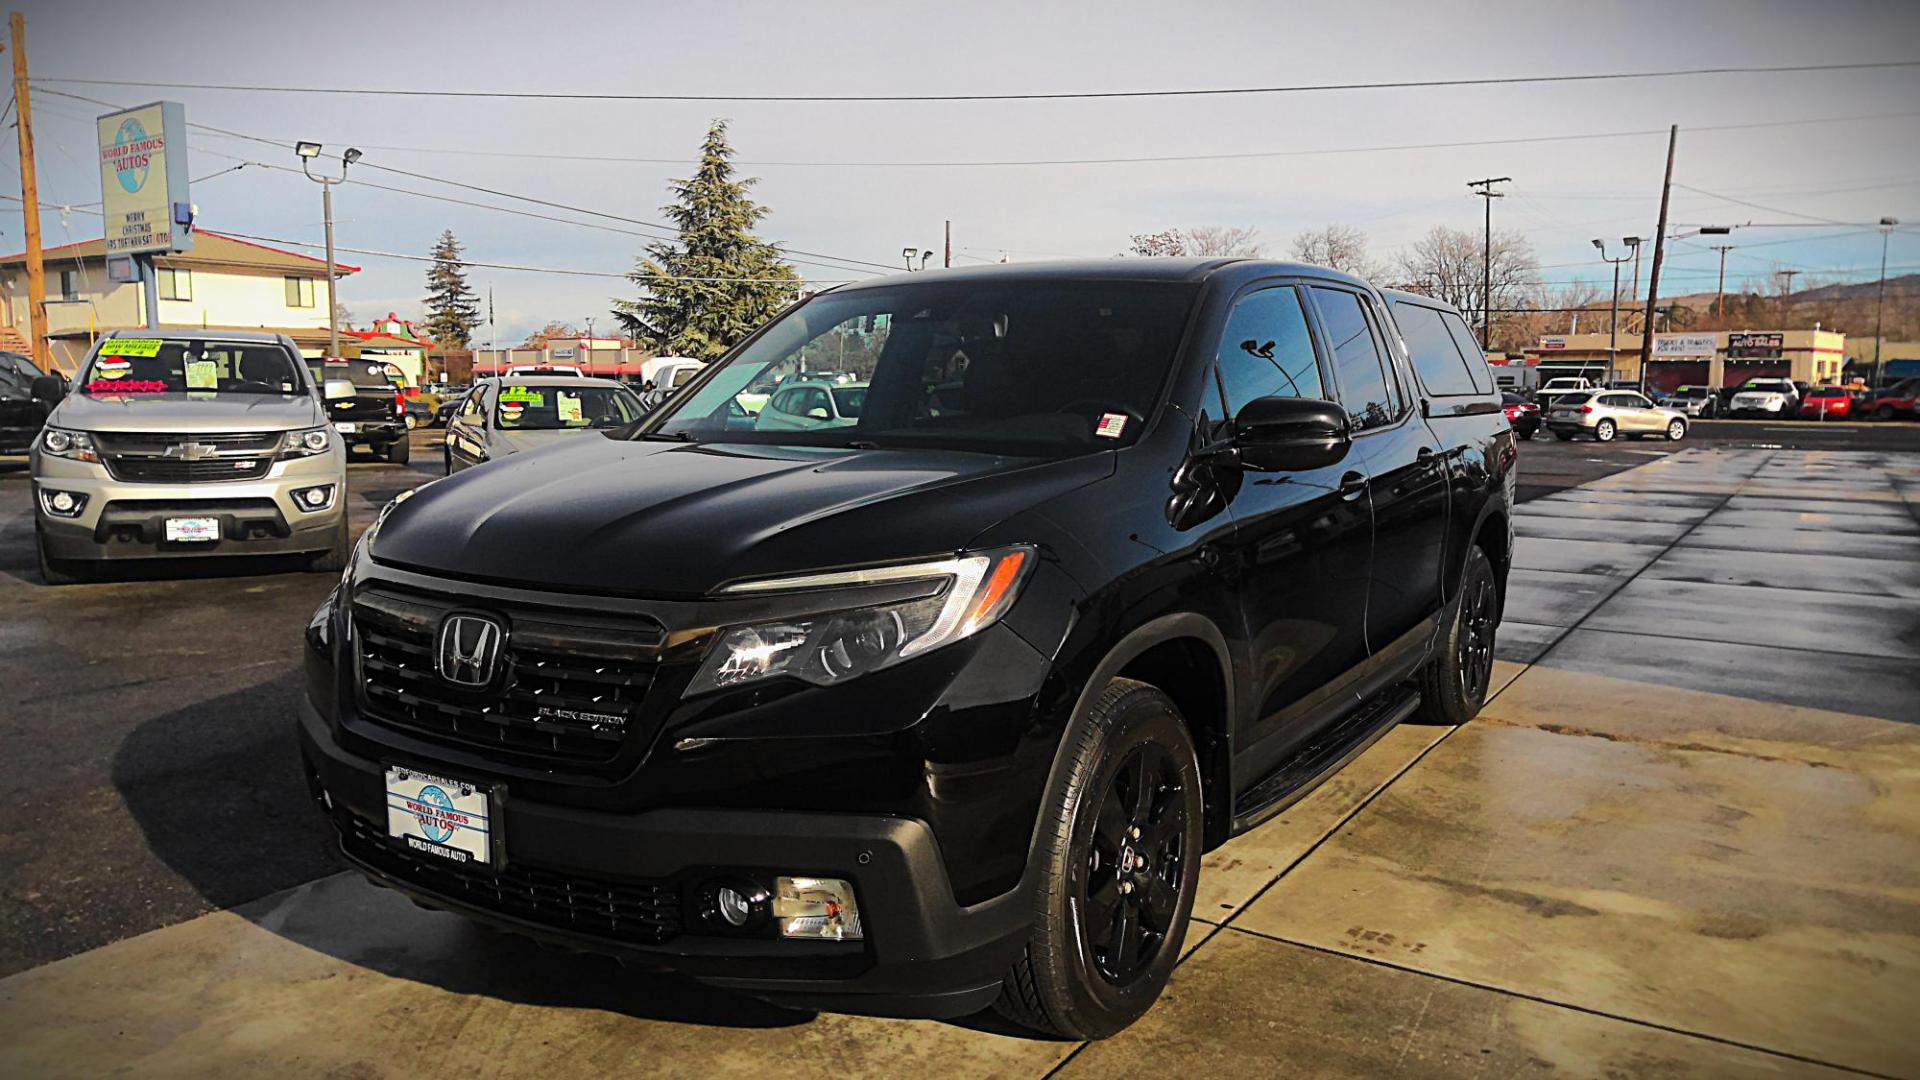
1903	286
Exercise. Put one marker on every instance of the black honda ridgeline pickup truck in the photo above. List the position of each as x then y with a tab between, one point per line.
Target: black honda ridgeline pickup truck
934	700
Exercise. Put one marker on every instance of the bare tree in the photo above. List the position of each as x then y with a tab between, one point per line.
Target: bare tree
1243	240
1336	247
1446	264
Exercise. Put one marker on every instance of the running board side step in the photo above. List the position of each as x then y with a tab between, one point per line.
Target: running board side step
1327	754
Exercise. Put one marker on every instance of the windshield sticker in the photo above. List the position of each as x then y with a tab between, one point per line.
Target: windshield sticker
112	369
1111	425
131	347
125	386
203	375
523	395
510	411
569	407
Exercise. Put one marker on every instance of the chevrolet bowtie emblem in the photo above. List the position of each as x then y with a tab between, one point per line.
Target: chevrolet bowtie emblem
189	451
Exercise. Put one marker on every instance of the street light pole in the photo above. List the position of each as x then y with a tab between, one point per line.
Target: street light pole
1613	316
308	151
1887	225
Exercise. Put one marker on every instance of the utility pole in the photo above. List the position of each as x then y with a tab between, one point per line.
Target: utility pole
30	203
1485	191
1786	288
1659	253
1887	225
1720	290
947	262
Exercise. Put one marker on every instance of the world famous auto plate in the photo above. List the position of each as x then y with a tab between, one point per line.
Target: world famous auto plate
451	819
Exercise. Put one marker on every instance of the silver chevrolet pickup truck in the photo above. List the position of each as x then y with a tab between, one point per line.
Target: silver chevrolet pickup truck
191	443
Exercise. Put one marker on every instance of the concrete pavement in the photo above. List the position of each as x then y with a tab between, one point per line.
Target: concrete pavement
1684	838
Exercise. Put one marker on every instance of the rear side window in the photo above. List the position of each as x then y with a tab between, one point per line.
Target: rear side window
1360	371
1266	350
1572	399
1470	349
1436	356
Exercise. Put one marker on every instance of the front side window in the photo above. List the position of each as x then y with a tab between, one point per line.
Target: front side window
1266	350
1027	368
522	407
132	366
1359	366
299	292
175	284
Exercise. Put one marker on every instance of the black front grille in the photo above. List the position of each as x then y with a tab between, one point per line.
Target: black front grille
570	692
639	912
157	442
162	470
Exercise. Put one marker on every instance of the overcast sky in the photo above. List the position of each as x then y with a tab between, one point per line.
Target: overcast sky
1563	194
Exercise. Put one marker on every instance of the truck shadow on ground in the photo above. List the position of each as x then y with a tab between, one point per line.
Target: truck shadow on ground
239	827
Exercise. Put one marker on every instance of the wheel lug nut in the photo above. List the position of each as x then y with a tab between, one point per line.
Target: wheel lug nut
1134	832
1126	887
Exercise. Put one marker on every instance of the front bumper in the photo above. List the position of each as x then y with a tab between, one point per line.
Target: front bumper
923	954
124	520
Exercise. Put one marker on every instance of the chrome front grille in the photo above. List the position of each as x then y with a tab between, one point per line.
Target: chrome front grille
569	691
171	458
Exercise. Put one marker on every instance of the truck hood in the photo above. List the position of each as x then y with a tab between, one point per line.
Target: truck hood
187	413
596	515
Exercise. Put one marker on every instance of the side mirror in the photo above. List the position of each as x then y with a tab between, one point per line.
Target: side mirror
1289	434
338	390
49	388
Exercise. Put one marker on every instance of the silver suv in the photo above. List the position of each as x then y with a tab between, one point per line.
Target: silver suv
1608	414
188	443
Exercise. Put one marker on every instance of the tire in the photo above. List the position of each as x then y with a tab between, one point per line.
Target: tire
1528	435
1605	430
57	571
1884	412
399	451
1453	685
1131	742
411	422
334	559
1676	430
1563	436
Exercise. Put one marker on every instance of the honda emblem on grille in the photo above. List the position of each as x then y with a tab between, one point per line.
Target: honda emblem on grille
189	451
469	649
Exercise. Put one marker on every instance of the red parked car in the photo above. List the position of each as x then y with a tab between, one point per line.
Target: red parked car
1524	415
1829	403
1900	399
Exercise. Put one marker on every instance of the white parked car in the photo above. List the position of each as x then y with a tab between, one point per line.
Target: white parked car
1776	399
804	406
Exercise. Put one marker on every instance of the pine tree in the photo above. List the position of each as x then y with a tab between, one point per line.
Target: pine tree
453	309
682	309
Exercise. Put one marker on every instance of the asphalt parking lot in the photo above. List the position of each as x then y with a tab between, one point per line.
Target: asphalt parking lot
1684	837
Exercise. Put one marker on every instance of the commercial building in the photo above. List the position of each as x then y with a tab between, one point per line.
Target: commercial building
222	284
1708	358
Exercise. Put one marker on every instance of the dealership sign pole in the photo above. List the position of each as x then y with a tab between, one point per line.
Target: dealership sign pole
143	189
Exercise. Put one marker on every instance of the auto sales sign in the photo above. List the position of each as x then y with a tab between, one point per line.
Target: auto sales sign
143	179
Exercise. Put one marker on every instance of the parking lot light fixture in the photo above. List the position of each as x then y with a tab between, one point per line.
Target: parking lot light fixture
307	149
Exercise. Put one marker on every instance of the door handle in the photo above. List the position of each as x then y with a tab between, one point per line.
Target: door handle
1353	485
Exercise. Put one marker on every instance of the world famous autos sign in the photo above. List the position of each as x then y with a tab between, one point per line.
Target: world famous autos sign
143	179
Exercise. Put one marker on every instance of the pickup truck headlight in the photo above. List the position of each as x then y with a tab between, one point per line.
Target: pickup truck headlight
61	442
305	443
967	594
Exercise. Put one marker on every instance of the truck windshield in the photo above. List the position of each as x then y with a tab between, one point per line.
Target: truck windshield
1028	368
202	366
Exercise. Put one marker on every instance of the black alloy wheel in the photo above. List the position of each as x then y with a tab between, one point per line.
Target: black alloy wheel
1130	886
1479	620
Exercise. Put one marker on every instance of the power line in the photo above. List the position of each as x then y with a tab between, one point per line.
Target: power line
1073	95
1757	206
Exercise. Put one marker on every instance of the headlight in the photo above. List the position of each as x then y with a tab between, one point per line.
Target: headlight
305	443
966	595
77	445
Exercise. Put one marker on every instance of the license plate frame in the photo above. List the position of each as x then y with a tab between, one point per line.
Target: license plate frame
190	530
459	824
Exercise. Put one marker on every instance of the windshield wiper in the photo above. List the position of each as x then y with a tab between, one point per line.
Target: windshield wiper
670	436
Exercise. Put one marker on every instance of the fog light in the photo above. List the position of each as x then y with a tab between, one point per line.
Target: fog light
733	907
734	904
314	498
817	908
63	504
